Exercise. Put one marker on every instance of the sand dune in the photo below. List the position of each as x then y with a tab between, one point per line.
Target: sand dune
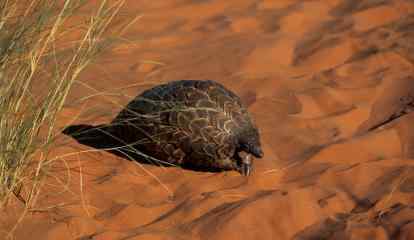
331	87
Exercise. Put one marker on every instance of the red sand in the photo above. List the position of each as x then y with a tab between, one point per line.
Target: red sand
331	86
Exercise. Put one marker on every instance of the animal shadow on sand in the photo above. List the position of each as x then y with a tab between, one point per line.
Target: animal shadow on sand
98	137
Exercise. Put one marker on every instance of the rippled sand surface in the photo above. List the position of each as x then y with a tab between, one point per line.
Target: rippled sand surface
331	87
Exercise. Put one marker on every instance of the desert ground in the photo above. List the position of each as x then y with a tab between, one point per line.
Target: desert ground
330	85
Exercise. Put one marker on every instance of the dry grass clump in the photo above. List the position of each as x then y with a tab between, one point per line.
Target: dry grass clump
42	46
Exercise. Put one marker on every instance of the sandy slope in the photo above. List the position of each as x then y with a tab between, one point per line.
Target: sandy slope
331	86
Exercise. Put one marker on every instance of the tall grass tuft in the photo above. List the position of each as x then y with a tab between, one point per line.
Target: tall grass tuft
44	45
